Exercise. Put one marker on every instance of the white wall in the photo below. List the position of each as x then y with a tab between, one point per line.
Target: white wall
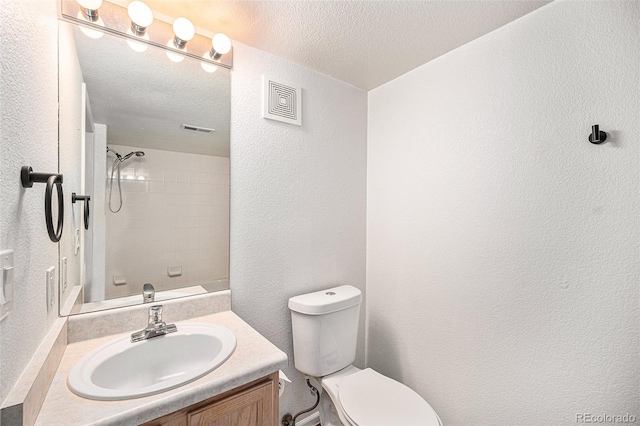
29	130
175	213
502	247
297	199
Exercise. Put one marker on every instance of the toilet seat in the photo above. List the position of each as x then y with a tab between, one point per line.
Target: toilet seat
368	398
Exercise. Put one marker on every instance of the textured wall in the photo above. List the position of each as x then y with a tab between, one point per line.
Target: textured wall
29	129
503	248
297	199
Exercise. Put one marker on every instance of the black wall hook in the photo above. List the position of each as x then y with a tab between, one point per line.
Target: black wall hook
597	136
27	178
86	199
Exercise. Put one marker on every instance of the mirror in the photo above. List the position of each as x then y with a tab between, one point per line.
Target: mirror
147	140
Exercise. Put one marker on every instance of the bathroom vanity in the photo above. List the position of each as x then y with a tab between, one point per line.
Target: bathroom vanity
244	386
243	390
255	403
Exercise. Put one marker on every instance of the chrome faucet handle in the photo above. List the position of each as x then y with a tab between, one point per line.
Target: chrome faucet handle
156	327
155	314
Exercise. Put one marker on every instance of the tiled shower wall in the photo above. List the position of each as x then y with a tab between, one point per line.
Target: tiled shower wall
175	213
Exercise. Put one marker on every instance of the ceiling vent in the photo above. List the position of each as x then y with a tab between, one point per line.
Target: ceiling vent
281	102
196	128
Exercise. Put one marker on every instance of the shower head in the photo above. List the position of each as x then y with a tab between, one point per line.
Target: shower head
136	153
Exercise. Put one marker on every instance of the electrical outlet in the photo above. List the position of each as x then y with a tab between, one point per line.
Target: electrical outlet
51	273
6	283
63	275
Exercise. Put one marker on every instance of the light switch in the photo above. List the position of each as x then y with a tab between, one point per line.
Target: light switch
63	275
6	283
76	245
50	277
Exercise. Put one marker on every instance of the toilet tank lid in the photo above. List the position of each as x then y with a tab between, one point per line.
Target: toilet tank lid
326	301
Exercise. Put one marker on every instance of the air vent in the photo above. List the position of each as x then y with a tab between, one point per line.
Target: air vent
281	102
196	128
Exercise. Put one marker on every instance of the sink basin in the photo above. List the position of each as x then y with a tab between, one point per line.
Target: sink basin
124	370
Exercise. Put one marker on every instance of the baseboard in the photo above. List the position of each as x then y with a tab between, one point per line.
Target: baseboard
311	420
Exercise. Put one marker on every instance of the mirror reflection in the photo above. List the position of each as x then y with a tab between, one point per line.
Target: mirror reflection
145	134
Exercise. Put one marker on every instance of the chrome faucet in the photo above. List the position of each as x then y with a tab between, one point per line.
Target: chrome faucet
156	326
148	293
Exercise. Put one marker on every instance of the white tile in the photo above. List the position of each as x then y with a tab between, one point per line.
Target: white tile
194	177
170	187
156	174
207	178
156	187
142	174
170	176
156	199
182	177
143	198
128	173
168	258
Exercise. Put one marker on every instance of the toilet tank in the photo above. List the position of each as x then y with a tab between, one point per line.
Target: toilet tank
325	329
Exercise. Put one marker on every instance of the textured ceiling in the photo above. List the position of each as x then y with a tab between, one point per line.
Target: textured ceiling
363	43
143	98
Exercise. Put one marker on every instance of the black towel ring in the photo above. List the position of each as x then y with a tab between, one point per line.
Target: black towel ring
56	234
28	177
86	198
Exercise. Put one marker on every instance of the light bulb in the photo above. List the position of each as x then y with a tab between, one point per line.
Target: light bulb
90	4
221	45
90	8
141	17
95	34
136	45
174	57
184	31
208	67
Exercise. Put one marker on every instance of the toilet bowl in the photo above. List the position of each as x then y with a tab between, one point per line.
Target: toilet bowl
325	328
354	397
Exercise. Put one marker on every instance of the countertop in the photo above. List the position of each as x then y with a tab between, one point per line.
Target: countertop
253	358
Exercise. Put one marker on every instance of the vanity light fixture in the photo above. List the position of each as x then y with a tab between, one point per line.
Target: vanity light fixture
141	17
221	45
184	31
208	67
131	22
136	45
89	12
89	9
174	57
94	34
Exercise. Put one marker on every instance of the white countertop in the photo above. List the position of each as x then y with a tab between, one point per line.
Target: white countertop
253	358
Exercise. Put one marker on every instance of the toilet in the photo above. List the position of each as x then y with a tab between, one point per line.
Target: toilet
325	332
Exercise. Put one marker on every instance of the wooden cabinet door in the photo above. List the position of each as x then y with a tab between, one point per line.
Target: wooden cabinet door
251	407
